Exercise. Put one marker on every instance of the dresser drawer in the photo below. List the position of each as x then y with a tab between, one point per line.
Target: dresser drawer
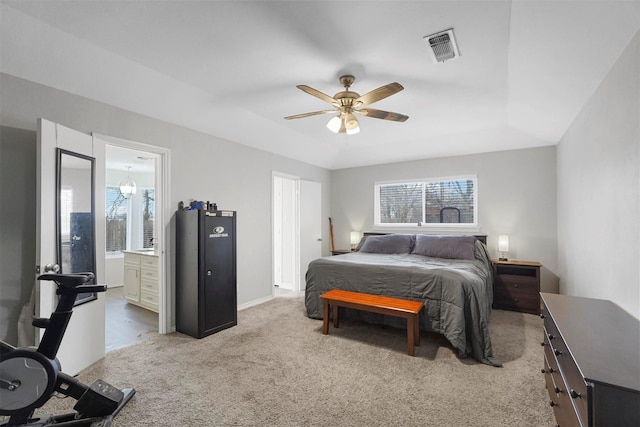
149	273
562	408
573	390
149	285
149	299
150	262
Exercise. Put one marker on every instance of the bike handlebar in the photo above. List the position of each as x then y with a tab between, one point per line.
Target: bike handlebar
69	280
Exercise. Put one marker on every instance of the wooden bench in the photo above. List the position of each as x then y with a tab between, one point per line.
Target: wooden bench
407	309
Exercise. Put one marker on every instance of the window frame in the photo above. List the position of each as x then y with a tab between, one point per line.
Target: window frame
433	226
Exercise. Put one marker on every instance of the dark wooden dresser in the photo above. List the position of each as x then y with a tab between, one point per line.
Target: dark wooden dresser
591	361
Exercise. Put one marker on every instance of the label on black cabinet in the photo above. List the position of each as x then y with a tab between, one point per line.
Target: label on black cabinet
218	232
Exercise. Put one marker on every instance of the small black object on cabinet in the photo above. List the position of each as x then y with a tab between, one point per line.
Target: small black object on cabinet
206	299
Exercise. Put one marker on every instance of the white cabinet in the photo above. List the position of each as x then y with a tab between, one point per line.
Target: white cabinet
132	277
141	279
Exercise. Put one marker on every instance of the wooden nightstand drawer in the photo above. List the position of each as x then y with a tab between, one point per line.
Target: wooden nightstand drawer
516	286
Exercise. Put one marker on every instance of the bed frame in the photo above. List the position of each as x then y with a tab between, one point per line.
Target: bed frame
481	237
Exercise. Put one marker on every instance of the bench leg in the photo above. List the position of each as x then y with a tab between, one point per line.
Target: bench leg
411	334
325	317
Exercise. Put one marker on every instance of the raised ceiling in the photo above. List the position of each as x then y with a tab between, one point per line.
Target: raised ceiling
230	68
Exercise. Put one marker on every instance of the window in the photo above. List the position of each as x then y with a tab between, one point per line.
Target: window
66	207
148	215
117	212
444	202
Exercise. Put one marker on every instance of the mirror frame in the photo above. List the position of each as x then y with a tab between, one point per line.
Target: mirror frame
85	296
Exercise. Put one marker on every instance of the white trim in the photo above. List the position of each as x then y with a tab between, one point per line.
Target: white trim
255	302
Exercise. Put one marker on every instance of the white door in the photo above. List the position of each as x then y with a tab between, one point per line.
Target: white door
310	223
84	339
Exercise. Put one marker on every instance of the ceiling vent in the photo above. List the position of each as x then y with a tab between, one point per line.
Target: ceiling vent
442	46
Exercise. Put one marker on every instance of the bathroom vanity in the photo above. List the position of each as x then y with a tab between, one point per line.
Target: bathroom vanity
141	278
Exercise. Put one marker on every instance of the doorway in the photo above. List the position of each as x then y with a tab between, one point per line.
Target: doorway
135	231
296	230
285	226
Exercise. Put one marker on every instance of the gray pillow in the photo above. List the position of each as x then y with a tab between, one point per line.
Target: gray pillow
388	244
451	247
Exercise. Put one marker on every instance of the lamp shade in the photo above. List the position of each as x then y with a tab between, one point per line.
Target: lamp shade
334	124
355	237
503	243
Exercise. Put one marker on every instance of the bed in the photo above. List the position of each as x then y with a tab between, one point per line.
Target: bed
452	275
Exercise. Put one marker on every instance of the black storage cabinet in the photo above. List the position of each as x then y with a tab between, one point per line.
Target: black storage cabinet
206	300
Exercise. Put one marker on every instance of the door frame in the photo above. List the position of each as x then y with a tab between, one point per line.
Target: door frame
296	249
163	214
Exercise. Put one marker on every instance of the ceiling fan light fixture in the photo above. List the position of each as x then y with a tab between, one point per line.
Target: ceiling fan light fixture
334	124
350	121
353	131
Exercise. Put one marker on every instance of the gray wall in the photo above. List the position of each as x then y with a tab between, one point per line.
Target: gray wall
599	191
17	225
203	167
516	196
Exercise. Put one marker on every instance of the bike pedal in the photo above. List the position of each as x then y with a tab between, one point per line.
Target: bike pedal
100	399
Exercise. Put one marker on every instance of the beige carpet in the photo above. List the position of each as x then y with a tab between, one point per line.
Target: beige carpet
275	368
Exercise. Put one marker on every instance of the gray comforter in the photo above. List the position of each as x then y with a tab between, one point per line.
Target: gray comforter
457	293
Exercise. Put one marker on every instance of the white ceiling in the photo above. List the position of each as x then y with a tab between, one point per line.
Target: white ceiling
229	68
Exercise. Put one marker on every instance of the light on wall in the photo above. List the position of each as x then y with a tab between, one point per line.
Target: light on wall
128	187
355	239
503	245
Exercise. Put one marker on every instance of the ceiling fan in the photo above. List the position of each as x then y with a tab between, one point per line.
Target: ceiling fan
348	102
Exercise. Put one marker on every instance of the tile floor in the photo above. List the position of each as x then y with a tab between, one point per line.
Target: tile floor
126	324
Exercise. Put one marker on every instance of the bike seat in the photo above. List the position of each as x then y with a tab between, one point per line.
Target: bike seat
68	280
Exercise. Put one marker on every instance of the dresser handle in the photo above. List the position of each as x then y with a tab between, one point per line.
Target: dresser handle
515	285
551	337
542	343
557	390
575	394
552	403
542	316
515	300
557	352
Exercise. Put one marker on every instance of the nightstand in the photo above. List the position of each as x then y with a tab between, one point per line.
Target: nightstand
516	285
341	251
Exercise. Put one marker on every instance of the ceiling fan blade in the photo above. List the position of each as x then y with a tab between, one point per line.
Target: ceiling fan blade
318	94
377	94
380	114
314	113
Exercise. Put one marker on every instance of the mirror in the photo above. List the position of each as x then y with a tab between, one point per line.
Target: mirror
75	216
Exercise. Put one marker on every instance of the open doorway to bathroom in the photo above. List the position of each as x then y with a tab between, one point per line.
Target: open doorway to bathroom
131	264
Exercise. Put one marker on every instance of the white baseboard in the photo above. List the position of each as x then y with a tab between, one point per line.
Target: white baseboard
255	302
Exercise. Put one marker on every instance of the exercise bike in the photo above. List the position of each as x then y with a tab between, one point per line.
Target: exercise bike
30	376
